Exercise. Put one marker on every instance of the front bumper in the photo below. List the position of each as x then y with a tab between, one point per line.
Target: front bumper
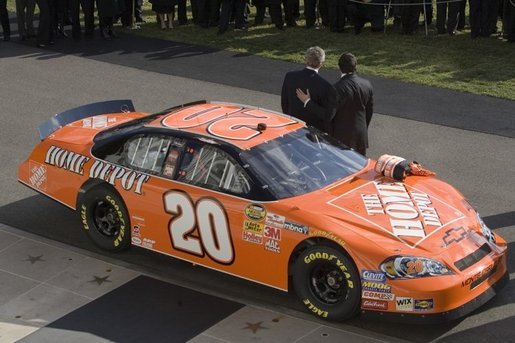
435	318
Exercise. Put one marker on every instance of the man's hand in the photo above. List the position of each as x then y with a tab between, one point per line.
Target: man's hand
303	96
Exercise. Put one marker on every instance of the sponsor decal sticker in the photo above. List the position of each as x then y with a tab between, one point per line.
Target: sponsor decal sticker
423	304
273	219
255	212
373	275
296	227
251	237
136	240
376	286
272	245
374	304
272	233
377	295
404	304
254	227
38	175
148	243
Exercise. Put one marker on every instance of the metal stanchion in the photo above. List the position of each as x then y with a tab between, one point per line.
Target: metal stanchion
135	25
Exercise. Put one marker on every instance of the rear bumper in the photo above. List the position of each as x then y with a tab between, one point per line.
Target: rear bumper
435	318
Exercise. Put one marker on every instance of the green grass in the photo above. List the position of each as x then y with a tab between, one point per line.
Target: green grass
481	66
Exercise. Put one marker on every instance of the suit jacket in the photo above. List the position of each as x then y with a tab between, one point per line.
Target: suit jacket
355	106
319	109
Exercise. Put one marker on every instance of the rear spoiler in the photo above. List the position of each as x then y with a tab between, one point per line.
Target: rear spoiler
64	118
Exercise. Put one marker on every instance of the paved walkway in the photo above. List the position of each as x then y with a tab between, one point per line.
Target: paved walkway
53	292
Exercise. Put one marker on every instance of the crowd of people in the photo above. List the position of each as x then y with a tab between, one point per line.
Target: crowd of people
336	15
342	110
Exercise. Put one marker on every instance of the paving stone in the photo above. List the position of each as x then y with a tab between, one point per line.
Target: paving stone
12	286
7	239
40	306
36	260
92	278
53	335
326	334
251	324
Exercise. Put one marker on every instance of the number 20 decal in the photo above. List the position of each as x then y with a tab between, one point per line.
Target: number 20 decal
208	217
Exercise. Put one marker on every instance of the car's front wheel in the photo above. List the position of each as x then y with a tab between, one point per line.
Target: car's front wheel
105	218
327	283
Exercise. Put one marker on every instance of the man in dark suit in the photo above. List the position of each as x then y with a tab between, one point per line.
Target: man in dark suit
354	108
317	110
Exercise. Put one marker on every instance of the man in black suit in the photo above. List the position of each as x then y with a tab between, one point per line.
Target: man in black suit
354	108
318	108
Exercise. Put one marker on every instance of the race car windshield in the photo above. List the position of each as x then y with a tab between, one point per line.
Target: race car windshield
301	162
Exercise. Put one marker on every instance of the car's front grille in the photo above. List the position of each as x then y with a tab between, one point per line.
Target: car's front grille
471	259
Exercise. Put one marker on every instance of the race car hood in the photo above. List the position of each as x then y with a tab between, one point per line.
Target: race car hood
418	213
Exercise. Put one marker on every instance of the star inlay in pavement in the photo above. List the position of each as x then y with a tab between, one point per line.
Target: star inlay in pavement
254	326
100	280
34	259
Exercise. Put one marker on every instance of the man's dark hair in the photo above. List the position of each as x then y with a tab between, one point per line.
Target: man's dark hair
347	63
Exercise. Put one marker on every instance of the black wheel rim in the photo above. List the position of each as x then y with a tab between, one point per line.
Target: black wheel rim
328	283
106	219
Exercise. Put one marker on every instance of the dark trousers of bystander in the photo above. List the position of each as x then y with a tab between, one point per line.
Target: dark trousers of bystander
88	9
4	18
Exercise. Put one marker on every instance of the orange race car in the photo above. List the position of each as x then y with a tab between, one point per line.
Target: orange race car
258	195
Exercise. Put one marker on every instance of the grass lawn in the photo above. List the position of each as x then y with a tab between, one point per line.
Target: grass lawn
482	66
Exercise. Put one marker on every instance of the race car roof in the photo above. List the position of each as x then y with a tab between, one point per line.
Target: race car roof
240	125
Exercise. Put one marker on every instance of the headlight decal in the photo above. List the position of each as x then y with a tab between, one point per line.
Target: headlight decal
410	267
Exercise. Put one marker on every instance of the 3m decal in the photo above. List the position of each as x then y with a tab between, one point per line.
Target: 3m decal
273	219
373	275
128	179
423	304
404	304
255	212
201	228
273	233
377	295
38	176
454	235
296	227
65	159
374	304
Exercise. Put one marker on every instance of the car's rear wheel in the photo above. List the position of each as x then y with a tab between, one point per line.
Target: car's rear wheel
327	283
105	218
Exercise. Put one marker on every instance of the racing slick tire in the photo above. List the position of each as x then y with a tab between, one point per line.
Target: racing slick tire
327	283
105	219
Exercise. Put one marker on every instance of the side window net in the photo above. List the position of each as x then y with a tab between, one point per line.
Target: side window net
210	167
147	153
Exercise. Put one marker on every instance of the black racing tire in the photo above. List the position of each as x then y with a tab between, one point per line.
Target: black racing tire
327	283
105	218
